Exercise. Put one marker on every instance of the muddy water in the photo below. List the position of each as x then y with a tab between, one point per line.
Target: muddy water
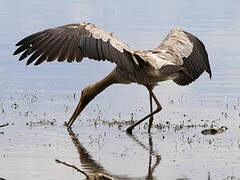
36	101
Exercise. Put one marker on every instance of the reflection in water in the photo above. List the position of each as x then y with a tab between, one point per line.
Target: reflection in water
95	170
151	154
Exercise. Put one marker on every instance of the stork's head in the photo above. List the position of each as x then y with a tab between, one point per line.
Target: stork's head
87	95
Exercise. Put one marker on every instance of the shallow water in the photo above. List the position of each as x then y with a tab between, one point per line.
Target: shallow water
36	101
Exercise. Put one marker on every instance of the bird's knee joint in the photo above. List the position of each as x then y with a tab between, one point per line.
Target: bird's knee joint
159	109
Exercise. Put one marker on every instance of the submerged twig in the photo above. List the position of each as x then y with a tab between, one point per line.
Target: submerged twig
72	166
95	176
3	125
2	110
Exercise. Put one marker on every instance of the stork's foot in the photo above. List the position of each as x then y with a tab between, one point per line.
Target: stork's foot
129	130
69	128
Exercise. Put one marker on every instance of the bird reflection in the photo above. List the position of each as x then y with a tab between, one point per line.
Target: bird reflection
95	171
152	153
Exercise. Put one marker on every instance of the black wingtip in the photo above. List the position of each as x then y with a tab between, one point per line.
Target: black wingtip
18	43
210	73
15	53
23	56
37	63
28	63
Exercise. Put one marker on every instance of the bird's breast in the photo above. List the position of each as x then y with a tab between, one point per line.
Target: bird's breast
145	76
154	76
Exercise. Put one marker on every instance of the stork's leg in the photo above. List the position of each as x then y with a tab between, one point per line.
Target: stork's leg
151	118
159	108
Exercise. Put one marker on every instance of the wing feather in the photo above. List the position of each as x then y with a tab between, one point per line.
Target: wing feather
27	39
34	56
56	49
71	51
49	47
73	42
185	50
64	51
100	50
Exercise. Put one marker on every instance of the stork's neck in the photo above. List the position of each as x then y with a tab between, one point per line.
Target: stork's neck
94	89
102	84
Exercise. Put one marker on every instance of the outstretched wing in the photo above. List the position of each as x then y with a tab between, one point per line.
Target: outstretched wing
182	49
73	42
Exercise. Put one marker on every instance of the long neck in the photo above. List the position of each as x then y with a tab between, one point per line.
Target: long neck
95	89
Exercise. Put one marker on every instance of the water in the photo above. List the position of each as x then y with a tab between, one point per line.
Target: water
36	101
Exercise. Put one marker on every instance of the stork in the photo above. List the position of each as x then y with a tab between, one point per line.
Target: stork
180	57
